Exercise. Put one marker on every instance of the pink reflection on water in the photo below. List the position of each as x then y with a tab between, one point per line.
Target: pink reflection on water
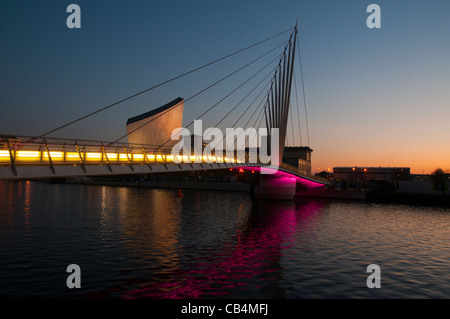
254	256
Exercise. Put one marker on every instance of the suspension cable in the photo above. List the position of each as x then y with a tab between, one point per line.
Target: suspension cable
223	118
198	93
163	83
225	97
292	123
298	111
260	113
254	100
303	88
263	90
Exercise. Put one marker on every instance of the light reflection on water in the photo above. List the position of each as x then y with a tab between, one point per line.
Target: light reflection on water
149	243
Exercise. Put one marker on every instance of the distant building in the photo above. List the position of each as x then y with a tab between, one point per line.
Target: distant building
325	174
420	183
371	173
155	127
299	157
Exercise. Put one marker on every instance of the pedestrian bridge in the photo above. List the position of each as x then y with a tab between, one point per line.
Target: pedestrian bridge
34	158
27	157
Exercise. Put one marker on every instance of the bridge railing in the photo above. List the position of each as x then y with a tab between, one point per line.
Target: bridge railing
305	174
24	150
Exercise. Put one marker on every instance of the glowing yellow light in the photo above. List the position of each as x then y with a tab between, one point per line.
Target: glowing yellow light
138	157
169	158
72	156
111	156
151	157
123	157
159	158
93	156
53	155
4	154
28	154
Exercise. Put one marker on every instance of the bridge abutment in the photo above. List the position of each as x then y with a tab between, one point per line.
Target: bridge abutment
277	187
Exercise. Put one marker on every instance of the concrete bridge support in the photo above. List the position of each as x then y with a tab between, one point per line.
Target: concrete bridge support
277	187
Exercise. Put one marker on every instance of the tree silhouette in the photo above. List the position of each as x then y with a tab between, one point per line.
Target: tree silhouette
438	172
438	177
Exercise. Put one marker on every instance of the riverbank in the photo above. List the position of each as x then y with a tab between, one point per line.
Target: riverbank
424	199
403	198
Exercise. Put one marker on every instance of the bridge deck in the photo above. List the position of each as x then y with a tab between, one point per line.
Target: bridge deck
22	158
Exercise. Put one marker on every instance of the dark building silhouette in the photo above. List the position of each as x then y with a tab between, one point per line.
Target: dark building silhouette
371	173
298	157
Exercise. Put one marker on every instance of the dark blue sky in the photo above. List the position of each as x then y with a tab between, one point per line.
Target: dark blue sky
366	90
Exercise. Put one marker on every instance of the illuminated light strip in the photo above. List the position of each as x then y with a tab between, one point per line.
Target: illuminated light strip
53	155
93	156
28	154
179	158
4	157
4	154
97	156
72	156
111	156
206	159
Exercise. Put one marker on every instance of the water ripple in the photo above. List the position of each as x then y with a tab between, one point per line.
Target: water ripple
148	243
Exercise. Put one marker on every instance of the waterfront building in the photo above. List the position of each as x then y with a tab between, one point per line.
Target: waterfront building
371	173
155	127
298	157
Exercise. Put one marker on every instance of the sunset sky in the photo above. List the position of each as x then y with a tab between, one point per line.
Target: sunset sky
375	97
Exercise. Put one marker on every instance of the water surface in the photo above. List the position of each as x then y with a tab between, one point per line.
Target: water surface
149	243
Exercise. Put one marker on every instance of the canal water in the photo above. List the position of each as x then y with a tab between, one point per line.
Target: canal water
149	243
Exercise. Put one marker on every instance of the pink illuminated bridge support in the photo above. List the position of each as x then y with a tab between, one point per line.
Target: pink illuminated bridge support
283	184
